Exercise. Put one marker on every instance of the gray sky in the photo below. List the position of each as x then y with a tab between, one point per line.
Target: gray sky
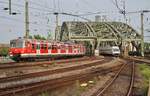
42	20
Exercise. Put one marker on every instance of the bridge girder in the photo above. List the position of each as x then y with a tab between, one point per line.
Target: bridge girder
99	32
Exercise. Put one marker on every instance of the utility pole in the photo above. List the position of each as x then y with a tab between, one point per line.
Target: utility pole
124	11
142	34
26	20
9	7
57	29
142	30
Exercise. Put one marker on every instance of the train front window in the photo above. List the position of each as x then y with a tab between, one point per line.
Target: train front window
16	44
38	46
12	44
115	50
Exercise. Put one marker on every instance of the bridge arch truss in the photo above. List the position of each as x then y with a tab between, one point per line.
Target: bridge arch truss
100	33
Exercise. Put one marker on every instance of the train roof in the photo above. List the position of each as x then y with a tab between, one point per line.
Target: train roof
50	41
109	47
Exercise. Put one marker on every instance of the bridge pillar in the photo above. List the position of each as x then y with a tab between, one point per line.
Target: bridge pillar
93	47
97	49
125	48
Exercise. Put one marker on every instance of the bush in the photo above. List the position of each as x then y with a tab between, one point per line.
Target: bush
4	51
145	70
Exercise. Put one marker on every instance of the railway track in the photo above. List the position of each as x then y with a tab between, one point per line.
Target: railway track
139	59
121	84
32	64
57	82
50	72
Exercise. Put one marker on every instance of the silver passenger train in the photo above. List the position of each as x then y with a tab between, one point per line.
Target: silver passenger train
110	50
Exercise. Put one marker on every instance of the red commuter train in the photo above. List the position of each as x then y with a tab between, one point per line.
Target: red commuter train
31	49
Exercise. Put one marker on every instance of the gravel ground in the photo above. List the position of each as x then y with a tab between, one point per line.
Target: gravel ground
100	82
138	89
78	90
5	60
74	90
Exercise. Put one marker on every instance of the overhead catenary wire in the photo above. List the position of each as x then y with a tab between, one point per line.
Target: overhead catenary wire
89	4
116	3
20	12
58	3
34	8
40	5
121	11
54	5
32	14
20	21
61	5
94	13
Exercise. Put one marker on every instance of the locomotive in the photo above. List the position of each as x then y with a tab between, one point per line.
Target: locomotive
30	49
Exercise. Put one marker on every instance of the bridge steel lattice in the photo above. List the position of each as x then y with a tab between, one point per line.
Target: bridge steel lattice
100	34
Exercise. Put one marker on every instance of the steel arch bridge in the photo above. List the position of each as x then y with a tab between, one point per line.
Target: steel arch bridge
100	33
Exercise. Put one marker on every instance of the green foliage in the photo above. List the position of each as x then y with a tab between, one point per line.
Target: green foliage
49	36
30	37
145	70
147	47
4	51
39	37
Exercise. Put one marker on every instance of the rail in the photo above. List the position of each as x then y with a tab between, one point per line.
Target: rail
101	91
31	64
139	59
57	82
132	80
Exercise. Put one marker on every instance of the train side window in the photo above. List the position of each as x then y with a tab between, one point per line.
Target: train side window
45	46
42	46
12	44
58	47
38	46
66	47
33	46
27	44
62	47
54	47
49	47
